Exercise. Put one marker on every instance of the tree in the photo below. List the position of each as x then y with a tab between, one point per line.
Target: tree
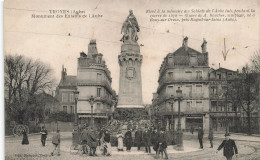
24	79
255	61
244	92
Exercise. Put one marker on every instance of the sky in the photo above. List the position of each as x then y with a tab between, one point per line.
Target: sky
47	40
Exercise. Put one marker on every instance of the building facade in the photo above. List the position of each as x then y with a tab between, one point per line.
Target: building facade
64	92
94	79
188	69
223	111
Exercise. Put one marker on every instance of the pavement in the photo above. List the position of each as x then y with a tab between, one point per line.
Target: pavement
14	149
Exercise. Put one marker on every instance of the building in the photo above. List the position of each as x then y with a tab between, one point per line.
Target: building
188	69
223	111
94	79
64	92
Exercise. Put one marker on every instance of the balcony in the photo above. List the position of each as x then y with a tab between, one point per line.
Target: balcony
103	83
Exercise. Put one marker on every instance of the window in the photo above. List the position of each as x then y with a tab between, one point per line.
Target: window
213	90
198	74
189	88
71	97
170	75
170	90
71	109
99	60
64	97
198	88
170	60
99	76
189	74
98	92
188	105
198	103
65	108
219	76
98	108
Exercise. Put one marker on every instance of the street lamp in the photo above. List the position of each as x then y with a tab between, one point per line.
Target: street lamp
172	98
76	96
179	131
91	101
75	133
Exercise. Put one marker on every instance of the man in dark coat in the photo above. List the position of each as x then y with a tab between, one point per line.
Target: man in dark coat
163	143
229	147
147	140
128	140
44	134
84	138
155	140
92	142
210	137
138	138
200	137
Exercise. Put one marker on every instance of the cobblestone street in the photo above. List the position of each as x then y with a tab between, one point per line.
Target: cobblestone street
14	150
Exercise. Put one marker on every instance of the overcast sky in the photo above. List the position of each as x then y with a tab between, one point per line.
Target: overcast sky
46	39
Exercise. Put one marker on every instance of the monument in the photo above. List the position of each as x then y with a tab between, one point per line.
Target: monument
130	61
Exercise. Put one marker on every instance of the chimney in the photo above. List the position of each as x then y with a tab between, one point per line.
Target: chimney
185	43
92	48
204	46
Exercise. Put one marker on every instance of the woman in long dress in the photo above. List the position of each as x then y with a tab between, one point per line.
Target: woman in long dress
25	137
120	145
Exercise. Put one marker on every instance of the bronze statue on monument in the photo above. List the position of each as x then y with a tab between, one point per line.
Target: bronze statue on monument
130	28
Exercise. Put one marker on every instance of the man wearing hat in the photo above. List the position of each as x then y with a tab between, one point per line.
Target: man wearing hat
163	143
155	140
138	138
128	140
229	147
147	139
84	140
200	137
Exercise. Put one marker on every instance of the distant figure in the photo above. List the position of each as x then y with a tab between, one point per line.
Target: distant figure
120	144
200	137
191	129
147	140
84	141
107	144
101	139
128	140
56	143
163	143
25	137
92	142
155	140
138	138
44	134
229	147
210	137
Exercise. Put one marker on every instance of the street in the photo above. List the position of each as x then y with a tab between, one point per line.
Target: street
248	149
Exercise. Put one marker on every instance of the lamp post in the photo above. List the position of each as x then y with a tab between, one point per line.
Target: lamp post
179	132
172	125
91	101
75	133
76	96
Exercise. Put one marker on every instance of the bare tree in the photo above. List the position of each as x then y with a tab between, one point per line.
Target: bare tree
24	79
244	92
255	61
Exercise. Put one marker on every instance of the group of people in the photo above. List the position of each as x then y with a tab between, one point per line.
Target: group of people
228	144
149	137
90	140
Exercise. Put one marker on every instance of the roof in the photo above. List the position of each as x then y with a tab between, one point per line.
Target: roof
182	51
222	70
68	81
